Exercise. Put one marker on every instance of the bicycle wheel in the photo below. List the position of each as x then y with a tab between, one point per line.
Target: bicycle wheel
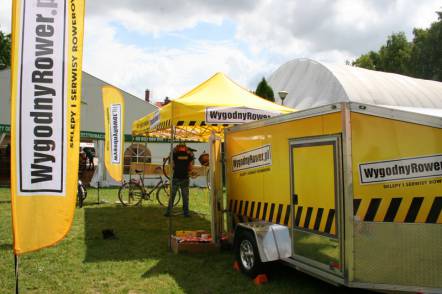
163	195
165	163
130	194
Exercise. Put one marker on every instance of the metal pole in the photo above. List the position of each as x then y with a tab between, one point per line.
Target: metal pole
212	192
223	184
16	272
172	138
102	172
98	192
216	187
144	159
130	160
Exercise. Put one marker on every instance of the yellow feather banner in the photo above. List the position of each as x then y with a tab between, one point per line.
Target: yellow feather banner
113	106
47	46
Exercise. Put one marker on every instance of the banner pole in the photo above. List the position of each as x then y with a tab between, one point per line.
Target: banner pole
98	192
16	273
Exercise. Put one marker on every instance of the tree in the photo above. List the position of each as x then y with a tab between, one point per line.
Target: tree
392	57
368	61
5	50
264	90
395	55
420	58
426	55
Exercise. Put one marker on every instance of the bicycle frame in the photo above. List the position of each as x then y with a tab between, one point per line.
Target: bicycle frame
145	191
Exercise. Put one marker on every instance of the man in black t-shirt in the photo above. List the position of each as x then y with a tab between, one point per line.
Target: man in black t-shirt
182	164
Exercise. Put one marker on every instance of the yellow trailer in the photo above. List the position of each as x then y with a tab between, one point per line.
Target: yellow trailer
349	193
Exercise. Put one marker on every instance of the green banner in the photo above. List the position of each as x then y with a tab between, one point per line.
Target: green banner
127	138
100	136
5	129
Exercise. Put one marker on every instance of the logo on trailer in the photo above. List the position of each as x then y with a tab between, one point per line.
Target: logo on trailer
401	169
236	115
254	158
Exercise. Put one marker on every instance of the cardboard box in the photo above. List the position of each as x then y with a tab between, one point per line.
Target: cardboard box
197	233
192	247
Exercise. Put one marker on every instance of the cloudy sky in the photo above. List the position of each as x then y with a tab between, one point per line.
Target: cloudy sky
169	46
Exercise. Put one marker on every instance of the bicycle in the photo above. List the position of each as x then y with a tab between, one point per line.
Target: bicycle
133	192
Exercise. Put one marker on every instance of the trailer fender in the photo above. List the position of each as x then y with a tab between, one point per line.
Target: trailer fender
273	240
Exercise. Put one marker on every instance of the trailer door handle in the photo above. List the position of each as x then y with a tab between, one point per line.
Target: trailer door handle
295	199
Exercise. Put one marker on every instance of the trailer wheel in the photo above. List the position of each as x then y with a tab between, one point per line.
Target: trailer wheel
247	255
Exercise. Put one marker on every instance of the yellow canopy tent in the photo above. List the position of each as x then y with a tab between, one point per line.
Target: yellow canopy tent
208	108
201	115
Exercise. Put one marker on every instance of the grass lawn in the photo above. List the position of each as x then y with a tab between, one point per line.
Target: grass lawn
139	260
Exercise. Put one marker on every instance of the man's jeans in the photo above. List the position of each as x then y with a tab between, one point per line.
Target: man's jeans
183	184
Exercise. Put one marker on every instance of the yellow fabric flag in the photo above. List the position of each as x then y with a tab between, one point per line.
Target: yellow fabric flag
47	46
113	108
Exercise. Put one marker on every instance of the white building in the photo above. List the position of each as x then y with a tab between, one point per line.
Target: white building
92	128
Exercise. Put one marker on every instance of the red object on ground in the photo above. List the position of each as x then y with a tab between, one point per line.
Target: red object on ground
260	279
335	265
236	266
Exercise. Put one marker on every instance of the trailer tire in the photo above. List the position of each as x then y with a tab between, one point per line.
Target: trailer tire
247	254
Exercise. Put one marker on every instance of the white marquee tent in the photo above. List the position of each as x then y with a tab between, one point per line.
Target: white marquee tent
310	83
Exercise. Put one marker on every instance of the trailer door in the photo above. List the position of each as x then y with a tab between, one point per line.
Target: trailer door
315	184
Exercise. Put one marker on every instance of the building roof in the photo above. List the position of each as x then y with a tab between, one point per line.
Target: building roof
91	105
310	83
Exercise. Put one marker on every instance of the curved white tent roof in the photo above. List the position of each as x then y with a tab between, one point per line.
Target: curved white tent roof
310	83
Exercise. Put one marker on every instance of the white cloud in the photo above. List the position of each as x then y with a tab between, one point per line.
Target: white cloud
152	16
272	31
169	72
296	29
5	16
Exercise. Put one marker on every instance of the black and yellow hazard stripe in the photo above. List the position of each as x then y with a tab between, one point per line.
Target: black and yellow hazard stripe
245	210
399	209
181	123
165	124
203	123
317	220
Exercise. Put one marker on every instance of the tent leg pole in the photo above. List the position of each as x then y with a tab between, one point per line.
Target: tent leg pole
130	161
212	192
172	138
144	159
